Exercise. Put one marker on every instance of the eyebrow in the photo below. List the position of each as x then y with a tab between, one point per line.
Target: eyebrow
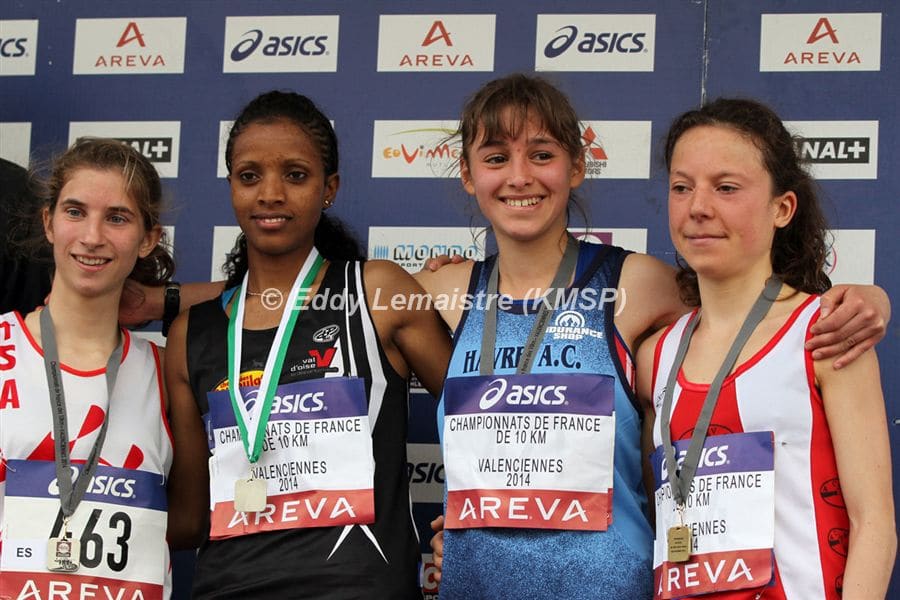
79	204
719	175
537	140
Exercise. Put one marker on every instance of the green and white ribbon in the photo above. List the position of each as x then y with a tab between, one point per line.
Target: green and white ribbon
252	423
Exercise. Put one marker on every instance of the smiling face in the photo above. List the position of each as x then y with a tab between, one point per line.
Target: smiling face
722	209
278	187
522	183
97	232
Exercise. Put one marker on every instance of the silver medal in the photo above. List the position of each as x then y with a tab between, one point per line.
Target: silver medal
63	553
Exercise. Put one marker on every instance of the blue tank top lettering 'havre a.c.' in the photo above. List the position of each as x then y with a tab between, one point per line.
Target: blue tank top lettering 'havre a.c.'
547	563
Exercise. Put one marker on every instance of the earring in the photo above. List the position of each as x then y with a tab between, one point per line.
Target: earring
328	204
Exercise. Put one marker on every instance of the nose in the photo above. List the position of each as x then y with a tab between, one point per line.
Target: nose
519	174
92	233
701	203
271	190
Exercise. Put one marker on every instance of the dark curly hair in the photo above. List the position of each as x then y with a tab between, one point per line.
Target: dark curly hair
331	237
799	249
141	182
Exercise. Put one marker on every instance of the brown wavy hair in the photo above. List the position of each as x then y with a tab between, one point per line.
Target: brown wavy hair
799	249
528	96
141	182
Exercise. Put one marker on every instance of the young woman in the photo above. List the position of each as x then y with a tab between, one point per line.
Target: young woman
781	463
540	427
307	480
84	442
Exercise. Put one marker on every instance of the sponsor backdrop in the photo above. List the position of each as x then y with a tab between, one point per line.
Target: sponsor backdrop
168	76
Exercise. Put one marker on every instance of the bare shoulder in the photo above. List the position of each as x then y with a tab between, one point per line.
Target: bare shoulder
648	297
644	365
447	288
447	280
387	276
645	268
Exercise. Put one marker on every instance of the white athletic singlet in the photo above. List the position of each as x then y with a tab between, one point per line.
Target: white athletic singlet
118	521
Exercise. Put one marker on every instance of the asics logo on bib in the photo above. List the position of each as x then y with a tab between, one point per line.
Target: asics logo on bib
120	487
523	395
713	456
292	403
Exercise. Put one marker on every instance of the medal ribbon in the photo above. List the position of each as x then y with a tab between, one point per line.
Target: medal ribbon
254	421
70	496
681	479
538	330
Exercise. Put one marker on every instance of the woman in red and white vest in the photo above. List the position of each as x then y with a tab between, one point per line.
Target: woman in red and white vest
84	441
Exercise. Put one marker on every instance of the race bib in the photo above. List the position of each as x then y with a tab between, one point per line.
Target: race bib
120	525
316	459
531	451
730	512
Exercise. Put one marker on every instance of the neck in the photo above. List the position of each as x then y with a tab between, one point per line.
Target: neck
85	328
526	266
726	303
274	272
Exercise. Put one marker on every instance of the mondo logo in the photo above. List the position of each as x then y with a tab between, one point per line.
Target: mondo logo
817	42
595	42
129	46
410	247
280	44
18	39
436	42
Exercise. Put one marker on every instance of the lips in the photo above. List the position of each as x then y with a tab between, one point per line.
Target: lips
270	220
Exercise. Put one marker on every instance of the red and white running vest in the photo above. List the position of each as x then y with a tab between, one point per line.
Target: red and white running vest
775	391
121	521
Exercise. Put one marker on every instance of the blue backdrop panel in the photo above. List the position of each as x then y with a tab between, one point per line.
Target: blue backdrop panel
697	49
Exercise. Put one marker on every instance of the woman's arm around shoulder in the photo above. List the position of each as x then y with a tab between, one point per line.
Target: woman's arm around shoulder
188	483
448	287
854	408
647	298
644	385
854	319
411	332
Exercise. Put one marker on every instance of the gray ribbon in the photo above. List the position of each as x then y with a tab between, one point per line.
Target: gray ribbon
681	479
489	335
70	497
